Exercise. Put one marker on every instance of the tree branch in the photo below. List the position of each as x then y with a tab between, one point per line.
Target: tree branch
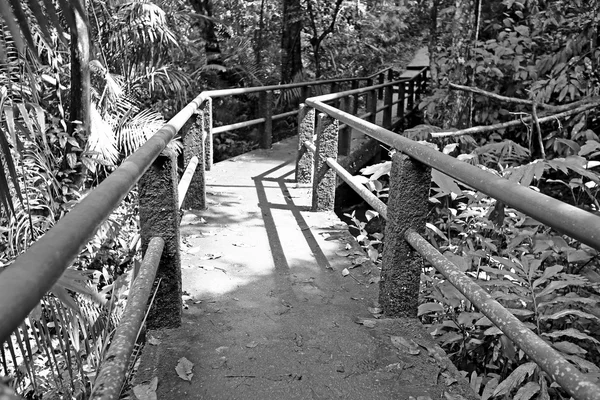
498	97
504	125
515	100
331	26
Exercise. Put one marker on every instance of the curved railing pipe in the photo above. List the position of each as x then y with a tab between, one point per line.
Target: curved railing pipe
34	273
570	220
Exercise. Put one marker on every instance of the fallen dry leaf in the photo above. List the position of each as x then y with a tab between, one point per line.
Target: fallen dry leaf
147	391
369	323
405	345
209	256
252	344
345	272
184	369
153	341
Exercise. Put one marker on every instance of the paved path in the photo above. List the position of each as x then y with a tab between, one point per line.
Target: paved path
270	314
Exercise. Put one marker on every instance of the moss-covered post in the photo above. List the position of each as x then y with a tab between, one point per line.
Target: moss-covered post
193	145
265	110
401	265
306	130
323	193
205	115
159	216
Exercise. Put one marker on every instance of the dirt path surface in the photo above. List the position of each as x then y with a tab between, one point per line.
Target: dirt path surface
270	314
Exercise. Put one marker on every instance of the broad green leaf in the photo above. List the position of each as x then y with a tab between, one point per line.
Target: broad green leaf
578	256
548	273
489	388
582	364
527	392
436	230
565	313
428	308
445	183
515	379
569	348
571	332
556	285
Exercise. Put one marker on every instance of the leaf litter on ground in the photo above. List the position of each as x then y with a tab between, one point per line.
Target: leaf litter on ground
146	391
184	369
405	345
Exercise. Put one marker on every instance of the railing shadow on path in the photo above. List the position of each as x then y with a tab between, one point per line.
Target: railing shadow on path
266	206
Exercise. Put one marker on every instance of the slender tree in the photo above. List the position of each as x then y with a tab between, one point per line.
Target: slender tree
453	66
291	50
315	14
207	27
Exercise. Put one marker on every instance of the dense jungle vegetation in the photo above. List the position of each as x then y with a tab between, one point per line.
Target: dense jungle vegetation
514	90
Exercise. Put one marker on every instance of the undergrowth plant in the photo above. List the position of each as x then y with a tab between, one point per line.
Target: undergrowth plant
535	272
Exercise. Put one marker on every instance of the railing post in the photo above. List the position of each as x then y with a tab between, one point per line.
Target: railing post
372	106
335	86
193	145
407	208
355	85
345	135
418	87
159	216
323	193
402	104
387	111
265	109
390	76
410	102
305	158
205	115
380	80
306	92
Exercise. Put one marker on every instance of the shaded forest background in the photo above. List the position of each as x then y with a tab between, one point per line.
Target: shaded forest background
514	90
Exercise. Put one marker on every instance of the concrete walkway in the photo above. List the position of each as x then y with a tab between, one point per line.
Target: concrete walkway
270	314
281	303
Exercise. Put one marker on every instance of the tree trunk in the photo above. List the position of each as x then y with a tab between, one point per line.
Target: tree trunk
207	27
259	36
291	51
457	107
80	72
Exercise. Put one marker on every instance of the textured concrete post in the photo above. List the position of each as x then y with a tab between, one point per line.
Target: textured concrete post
401	265
323	193
193	145
265	110
387	111
159	216
345	139
205	111
306	130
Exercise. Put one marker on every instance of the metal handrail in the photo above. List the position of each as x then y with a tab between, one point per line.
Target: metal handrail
34	273
573	221
536	205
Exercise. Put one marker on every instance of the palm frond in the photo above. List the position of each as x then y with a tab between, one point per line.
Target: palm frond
138	129
101	145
